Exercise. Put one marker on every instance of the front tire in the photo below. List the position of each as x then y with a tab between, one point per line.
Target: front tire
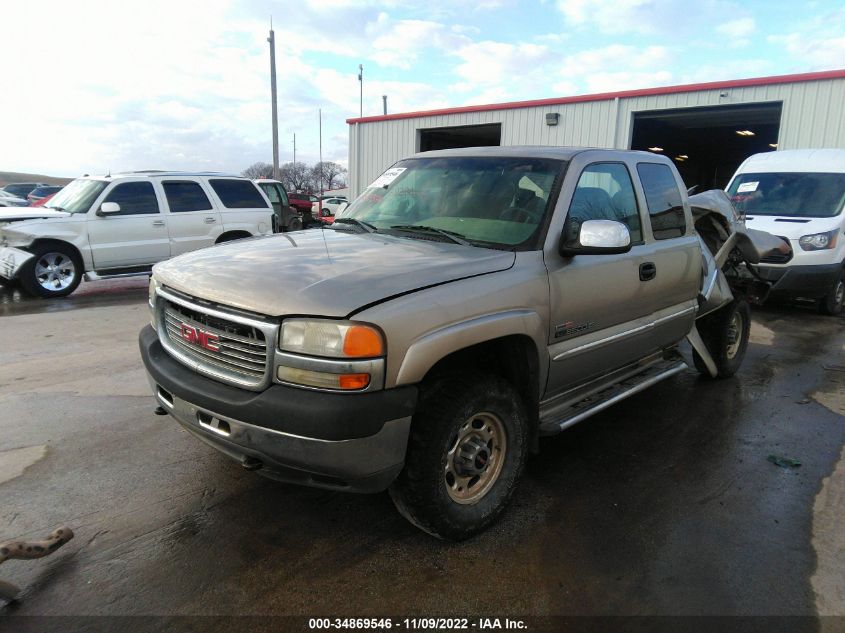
54	271
835	299
465	455
725	333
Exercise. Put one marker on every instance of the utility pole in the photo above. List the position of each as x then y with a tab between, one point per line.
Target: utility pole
320	120
294	148
384	103
272	40
361	90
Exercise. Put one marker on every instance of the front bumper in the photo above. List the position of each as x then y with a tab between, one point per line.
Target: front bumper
353	442
11	261
809	282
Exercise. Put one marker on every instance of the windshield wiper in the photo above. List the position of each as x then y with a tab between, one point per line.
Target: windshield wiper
47	206
369	228
457	238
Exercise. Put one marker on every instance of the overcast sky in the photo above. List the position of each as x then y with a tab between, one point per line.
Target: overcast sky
89	87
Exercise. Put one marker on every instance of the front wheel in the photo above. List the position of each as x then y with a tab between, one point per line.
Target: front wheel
833	302
54	271
725	333
465	455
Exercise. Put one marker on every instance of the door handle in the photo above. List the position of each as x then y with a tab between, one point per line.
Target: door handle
647	271
210	220
158	223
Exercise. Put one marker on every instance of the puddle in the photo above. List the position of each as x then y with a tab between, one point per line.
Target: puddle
16	460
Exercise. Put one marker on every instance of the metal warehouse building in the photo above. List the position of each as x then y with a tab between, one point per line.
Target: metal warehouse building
708	129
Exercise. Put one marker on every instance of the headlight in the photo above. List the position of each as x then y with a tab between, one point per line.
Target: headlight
334	355
819	241
335	339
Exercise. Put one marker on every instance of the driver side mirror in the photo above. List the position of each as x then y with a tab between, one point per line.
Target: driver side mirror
108	208
594	237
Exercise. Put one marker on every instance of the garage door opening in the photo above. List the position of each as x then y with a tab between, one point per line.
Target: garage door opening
463	136
708	144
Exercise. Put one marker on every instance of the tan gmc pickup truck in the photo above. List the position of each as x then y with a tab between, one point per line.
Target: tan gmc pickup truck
467	303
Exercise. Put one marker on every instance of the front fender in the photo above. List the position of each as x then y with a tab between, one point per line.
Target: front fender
433	346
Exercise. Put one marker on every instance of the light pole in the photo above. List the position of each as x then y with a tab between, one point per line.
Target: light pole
272	40
294	148
361	90
320	164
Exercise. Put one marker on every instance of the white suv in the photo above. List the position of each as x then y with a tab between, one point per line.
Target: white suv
120	225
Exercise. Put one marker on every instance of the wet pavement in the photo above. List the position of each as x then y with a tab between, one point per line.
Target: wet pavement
662	505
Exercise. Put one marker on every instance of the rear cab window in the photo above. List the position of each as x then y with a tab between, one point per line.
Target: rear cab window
238	194
665	204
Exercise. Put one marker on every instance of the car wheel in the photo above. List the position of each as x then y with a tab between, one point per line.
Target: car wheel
835	299
295	224
465	455
725	332
54	271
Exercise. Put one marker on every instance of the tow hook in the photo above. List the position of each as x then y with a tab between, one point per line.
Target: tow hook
250	463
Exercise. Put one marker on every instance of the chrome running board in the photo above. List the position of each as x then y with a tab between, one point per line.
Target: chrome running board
557	419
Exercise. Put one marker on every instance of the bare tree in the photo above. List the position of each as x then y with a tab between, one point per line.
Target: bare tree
258	170
332	174
297	177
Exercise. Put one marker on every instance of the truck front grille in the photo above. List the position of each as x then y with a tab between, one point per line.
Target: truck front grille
230	349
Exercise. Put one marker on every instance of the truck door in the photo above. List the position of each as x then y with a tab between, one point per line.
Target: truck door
673	258
192	219
599	304
136	236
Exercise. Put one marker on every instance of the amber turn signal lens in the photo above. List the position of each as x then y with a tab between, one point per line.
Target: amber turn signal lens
362	342
353	381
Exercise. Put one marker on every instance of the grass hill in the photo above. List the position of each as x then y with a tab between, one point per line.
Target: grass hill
8	177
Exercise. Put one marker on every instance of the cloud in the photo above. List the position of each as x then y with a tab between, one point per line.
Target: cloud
741	27
627	16
817	43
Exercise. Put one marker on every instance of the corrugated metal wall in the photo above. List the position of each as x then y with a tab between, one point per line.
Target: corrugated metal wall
812	117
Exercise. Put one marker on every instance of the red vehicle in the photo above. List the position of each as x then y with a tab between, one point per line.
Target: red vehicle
302	202
42	201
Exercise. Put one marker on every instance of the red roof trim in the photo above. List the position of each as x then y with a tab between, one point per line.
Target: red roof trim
711	85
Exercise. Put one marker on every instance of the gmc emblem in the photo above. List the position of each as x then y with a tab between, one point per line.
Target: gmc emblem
196	336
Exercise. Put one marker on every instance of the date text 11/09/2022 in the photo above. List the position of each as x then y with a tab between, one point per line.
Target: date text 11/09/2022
419	624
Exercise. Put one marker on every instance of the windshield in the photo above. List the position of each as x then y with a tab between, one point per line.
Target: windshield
796	194
488	201
78	196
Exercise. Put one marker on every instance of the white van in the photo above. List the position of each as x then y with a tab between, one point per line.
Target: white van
798	195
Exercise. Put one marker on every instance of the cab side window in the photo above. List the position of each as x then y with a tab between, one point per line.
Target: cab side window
605	192
134	198
665	205
184	196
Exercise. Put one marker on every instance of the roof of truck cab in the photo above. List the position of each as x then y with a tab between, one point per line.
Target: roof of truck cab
529	151
796	160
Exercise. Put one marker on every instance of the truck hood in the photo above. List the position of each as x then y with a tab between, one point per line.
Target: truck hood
15	214
322	272
792	227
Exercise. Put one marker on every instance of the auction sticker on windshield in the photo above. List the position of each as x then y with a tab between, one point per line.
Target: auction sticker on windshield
388	177
747	187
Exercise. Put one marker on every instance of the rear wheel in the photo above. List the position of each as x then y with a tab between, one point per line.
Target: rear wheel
465	455
295	224
54	271
725	333
835	299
